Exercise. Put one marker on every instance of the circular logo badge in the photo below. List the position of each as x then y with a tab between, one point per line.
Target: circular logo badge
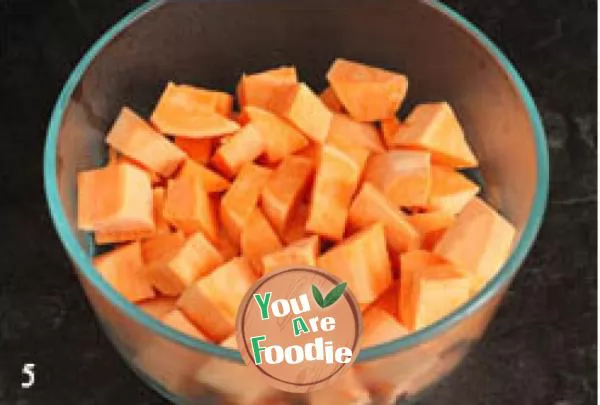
300	328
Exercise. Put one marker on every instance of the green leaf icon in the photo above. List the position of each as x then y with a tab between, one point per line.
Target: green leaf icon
317	295
334	295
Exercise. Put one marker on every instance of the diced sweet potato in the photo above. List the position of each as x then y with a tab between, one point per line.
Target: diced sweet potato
479	241
450	190
258	239
362	261
212	302
117	198
199	150
178	321
329	98
302	252
133	137
389	300
367	93
431	226
370	206
193	112
389	127
296	227
228	249
161	247
244	146
280	138
344	130
122	269
178	269
188	208
305	110
259	89
211	181
380	326
435	127
242	197
158	307
403	176
285	190
335	182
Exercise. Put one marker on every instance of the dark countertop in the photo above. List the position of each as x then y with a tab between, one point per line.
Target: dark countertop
541	347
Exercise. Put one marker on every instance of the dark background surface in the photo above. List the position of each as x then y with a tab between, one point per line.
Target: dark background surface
540	349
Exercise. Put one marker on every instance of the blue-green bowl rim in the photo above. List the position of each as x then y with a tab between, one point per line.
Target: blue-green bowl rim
83	261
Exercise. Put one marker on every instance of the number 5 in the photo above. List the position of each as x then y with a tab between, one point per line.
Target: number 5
28	372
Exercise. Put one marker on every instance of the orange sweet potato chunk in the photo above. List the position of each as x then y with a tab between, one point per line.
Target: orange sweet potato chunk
280	138
199	150
431	226
362	261
211	303
367	93
336	180
242	197
371	206
211	181
172	273
435	127
344	130
193	112
285	190
188	207
331	101
305	110
115	199
258	239
478	242
403	176
380	326
296	226
302	252
389	127
133	137
122	269
244	146
259	89
178	321
450	190
159	306
388	301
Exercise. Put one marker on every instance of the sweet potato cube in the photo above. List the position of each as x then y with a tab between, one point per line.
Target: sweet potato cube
479	241
362	261
212	182
389	127
331	101
280	138
122	269
199	150
371	206
367	93
380	326
212	302
133	137
344	130
259	89
296	227
302	252
178	321
336	180
450	190
244	146
188	207
258	239
285	190
431	226
435	127
389	300
242	197
193	112
403	176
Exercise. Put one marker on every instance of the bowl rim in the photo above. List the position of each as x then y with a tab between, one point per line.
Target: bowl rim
83	261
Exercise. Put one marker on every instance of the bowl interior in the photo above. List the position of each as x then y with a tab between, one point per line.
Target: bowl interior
211	43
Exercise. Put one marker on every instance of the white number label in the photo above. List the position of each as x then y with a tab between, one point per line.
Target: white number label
29	375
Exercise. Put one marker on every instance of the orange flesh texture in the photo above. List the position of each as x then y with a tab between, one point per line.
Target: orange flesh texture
199	150
450	190
158	307
403	176
192	112
367	93
296	227
300	106
303	252
337	177
380	326
280	138
435	127
122	269
389	127
242	197
244	146
344	130
329	98
133	137
258	239
259	89
211	303
189	209
362	261
478	242
431	226
211	181
178	321
371	206
285	190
